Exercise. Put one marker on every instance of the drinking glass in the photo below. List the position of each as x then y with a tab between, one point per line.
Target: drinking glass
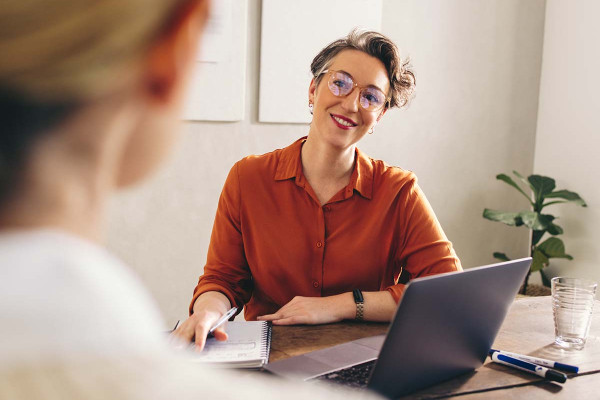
572	304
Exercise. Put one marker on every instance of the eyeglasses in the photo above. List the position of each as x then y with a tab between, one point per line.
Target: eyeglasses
341	84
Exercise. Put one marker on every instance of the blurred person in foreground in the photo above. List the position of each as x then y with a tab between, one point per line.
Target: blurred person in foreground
90	95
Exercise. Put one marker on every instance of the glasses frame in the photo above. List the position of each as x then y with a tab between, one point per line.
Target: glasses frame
354	86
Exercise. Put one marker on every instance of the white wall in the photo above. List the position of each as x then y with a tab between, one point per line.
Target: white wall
477	65
568	134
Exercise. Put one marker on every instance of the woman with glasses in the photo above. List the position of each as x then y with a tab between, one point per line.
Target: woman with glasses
319	232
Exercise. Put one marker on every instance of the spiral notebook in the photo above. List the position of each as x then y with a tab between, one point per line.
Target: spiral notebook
248	346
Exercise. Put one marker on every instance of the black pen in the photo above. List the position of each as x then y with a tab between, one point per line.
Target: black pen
538	370
176	325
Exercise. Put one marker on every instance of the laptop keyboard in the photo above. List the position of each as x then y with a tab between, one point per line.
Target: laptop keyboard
355	376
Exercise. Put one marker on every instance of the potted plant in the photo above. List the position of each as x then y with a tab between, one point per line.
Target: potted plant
541	195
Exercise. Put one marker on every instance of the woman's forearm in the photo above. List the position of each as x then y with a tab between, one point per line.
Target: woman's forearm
212	301
379	306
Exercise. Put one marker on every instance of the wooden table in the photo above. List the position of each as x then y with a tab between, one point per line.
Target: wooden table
528	329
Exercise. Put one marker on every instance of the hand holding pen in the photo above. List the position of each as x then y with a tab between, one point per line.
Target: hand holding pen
221	321
211	311
198	337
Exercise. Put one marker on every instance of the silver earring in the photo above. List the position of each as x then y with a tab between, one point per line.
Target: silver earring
310	107
372	129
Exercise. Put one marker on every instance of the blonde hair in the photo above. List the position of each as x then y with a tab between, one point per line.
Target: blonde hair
60	54
72	50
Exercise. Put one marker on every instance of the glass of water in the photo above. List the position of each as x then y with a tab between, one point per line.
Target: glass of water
572	304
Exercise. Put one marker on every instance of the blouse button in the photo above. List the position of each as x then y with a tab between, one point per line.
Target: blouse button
315	284
327	208
319	244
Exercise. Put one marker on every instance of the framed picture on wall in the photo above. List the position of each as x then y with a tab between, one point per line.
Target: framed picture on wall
217	90
292	33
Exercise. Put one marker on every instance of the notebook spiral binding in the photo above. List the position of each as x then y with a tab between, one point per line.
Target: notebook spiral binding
266	339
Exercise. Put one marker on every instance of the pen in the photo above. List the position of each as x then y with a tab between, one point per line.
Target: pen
538	370
222	320
539	361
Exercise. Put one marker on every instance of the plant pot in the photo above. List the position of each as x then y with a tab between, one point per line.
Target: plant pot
536	290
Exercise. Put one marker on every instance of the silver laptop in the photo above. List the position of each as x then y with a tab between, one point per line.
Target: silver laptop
444	326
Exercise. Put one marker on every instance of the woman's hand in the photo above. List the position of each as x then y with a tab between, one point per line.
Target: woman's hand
208	308
314	310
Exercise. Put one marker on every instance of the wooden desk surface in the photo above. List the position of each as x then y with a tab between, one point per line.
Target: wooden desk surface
580	387
290	341
528	329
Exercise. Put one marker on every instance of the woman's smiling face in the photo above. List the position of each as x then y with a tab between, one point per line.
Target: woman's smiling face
342	121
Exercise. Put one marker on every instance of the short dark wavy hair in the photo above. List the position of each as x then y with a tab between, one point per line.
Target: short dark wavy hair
400	74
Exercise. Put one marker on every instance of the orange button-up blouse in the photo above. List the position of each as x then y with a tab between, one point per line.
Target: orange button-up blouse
272	240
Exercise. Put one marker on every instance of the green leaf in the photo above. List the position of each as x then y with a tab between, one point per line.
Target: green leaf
554	229
568	196
553	248
539	261
541	186
501	256
553	202
508	218
507	179
536	221
529	218
536	236
522	178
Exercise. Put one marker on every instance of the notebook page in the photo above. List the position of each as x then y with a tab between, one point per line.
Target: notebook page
248	345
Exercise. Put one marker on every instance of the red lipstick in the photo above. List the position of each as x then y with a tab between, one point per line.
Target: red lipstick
349	123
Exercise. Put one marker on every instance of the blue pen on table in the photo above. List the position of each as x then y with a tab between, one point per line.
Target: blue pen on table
538	370
222	320
539	361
